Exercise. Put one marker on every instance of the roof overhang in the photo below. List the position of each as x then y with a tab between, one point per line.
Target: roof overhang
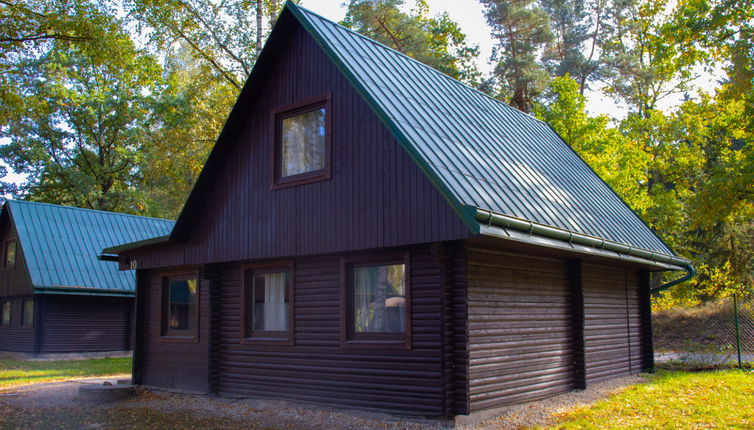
82	291
110	254
521	230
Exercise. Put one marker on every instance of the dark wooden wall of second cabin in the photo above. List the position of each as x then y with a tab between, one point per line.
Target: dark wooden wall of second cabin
14	337
85	323
377	197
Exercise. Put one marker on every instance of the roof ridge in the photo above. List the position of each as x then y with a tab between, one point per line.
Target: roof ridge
290	3
113	213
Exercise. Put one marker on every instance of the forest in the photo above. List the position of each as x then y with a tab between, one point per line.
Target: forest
115	104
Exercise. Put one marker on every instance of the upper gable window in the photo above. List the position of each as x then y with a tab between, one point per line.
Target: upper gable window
10	254
302	143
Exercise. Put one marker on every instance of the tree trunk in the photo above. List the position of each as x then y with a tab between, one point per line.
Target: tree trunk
260	28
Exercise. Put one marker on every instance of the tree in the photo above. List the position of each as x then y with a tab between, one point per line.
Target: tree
522	29
29	27
644	65
436	41
224	35
80	130
187	116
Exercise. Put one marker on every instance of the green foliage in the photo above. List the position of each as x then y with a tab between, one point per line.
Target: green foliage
79	129
645	65
614	157
188	114
436	41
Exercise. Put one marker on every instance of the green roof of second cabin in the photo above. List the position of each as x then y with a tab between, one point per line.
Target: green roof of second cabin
61	245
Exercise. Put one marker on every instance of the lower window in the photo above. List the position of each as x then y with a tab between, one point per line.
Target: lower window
180	306
376	300
268	300
27	313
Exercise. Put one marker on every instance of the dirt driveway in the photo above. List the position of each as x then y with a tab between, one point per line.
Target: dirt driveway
56	406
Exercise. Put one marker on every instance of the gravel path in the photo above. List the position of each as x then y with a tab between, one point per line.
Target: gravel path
57	406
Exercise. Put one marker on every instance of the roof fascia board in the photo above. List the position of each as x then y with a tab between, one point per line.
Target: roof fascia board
402	139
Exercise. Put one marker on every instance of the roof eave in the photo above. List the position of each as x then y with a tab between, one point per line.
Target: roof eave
79	291
520	230
120	249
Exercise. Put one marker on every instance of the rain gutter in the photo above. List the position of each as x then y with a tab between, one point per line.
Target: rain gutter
83	291
506	222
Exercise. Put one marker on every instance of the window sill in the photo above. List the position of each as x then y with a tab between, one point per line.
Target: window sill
179	339
302	179
376	344
268	340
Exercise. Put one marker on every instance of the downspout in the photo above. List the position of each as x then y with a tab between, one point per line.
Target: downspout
690	272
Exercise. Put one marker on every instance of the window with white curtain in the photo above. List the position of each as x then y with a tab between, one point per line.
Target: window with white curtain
268	304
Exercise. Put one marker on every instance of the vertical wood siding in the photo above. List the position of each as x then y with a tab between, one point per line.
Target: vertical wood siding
520	328
15	338
613	327
377	197
171	364
317	368
85	323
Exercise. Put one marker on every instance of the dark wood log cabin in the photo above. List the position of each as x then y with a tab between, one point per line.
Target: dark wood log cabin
55	295
371	233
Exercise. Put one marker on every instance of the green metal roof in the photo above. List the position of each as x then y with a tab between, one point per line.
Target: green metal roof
61	245
479	152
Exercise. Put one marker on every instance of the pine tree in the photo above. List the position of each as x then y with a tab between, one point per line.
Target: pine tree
522	29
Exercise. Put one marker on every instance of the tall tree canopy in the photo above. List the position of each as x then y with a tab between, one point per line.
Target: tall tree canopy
80	124
522	29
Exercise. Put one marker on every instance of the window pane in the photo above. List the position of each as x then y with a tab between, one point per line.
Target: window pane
6	314
270	302
182	309
10	254
303	143
379	299
28	313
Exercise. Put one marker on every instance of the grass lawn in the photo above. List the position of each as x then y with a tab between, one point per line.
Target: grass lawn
673	400
14	373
